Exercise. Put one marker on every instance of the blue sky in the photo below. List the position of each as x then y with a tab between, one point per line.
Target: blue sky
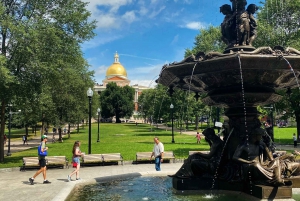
146	33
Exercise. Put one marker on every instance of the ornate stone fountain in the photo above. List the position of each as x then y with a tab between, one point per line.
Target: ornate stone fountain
239	79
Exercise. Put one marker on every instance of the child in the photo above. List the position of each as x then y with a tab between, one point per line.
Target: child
198	138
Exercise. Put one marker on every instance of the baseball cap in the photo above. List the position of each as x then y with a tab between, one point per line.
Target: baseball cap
44	136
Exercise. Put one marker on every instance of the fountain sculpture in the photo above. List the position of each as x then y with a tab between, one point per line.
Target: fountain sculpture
239	79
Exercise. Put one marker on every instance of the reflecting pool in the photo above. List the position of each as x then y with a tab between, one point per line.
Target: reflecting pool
149	188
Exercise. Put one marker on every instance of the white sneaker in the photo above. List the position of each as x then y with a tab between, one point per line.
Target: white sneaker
69	178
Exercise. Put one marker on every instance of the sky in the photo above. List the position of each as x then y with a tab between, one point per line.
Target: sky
146	34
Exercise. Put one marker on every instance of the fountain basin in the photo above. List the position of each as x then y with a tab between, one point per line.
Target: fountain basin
220	77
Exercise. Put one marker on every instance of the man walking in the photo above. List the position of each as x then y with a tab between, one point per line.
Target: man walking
157	152
295	140
42	162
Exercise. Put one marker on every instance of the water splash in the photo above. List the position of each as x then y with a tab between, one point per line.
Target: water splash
290	66
216	173
209	196
245	116
187	105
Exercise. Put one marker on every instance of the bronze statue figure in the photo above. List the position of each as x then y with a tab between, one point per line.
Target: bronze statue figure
258	163
199	163
239	25
227	25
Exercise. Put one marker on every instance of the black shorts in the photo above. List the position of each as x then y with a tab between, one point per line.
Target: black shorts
42	162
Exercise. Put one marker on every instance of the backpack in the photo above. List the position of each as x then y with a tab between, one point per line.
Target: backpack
40	153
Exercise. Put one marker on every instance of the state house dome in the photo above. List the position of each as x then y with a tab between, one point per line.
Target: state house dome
116	69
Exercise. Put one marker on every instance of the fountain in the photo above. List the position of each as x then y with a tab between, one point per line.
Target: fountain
239	79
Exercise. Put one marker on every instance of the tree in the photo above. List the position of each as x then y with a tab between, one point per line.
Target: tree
208	40
117	101
278	24
38	39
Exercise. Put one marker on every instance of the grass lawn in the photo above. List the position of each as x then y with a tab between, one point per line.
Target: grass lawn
126	139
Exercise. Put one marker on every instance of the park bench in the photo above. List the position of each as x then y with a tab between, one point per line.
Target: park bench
112	157
51	161
192	152
145	156
30	162
92	159
57	161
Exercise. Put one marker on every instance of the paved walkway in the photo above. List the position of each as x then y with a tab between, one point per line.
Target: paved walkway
15	185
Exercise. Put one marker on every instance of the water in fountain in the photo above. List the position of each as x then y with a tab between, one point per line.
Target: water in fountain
245	117
219	162
146	188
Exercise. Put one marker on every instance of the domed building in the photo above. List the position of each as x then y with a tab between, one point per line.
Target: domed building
117	73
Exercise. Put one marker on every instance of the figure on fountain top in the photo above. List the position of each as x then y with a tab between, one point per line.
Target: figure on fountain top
239	25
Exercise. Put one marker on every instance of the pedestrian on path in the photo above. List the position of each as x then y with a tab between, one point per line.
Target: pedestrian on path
158	151
5	138
25	139
42	162
198	137
295	140
76	160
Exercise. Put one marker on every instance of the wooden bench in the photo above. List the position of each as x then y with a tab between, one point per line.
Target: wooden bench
60	161
204	152
145	156
168	155
112	157
30	162
92	158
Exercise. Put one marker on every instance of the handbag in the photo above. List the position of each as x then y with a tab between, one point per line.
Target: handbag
74	165
40	153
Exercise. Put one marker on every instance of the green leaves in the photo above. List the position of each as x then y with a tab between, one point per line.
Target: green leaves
117	101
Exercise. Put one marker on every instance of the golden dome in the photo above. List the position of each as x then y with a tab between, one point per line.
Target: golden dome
116	68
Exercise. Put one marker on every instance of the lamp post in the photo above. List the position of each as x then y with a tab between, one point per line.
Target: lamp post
98	110
9	124
9	128
171	107
89	93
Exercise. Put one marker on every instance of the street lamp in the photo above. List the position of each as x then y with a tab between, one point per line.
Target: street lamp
171	107
9	128
89	93
98	110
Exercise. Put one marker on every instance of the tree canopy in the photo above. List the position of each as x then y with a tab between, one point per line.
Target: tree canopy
117	101
41	64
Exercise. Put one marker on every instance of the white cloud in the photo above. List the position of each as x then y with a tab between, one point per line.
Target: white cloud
175	39
101	70
107	21
100	40
113	4
129	16
157	12
194	25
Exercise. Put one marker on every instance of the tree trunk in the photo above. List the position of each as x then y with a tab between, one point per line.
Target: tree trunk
297	115
59	134
26	131
197	122
118	118
69	131
2	131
